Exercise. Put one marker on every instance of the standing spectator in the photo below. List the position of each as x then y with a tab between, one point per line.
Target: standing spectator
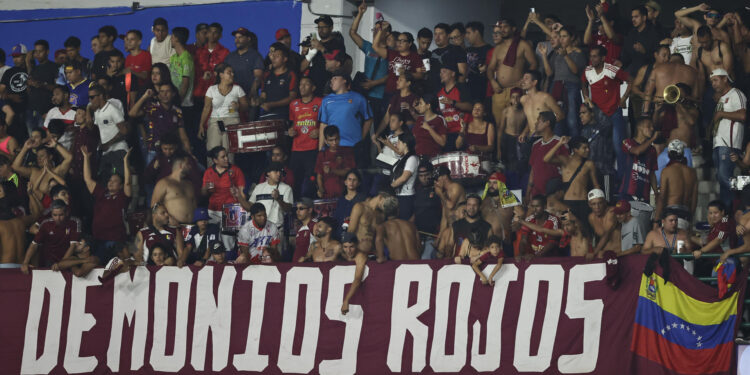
201	36
13	85
78	85
430	129
57	236
476	60
541	172
456	36
72	53
631	232
207	58
349	112
62	109
404	174
314	56
730	116
246	62
721	237
600	32
603	80
639	172
444	54
41	81
401	60
106	37
654	9
565	67
137	64
162	117
536	243
711	19
428	210
110	119
224	101
682	41
219	182
160	47
639	43
182	69
471	223
304	237
455	101
161	165
279	85
424	40
283	37
303	114
376	67
401	104
332	164
114	79
279	156
598	133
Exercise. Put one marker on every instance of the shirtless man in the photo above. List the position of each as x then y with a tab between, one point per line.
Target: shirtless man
364	219
451	194
492	210
555	191
324	249
176	192
668	237
44	159
504	72
396	236
712	54
679	183
12	227
602	220
536	102
360	259
580	245
712	17
512	124
577	172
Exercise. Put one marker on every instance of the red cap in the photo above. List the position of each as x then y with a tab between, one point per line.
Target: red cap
497	176
280	33
622	207
332	55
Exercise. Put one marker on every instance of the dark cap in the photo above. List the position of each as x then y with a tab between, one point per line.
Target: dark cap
451	66
275	166
242	31
342	73
216	247
349	237
201	26
306	202
325	19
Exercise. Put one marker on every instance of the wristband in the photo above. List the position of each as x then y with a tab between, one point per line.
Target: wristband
311	54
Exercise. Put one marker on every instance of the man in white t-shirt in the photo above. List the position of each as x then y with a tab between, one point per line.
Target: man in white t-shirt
161	46
64	111
109	117
730	116
275	195
682	41
256	235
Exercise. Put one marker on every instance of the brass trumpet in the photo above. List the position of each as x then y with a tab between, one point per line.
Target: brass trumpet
671	94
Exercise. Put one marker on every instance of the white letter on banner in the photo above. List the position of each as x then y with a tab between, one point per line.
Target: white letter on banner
447	276
405	318
212	314
250	360
590	311
305	361
54	282
78	323
490	360
183	277
130	301
522	359
338	277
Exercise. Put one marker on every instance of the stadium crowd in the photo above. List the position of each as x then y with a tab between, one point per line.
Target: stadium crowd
470	151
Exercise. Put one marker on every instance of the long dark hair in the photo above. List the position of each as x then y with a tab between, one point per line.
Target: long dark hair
164	73
410	141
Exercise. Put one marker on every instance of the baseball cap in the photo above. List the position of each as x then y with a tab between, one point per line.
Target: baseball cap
596	193
348	237
653	5
325	19
242	31
622	207
280	33
201	26
200	214
18	50
306	202
275	166
677	146
451	66
720	72
497	176
216	247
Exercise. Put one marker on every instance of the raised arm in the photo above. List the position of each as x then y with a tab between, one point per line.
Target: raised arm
552	104
137	109
361	9
587	34
90	183
682	15
552	157
62	169
18	161
126	187
377	46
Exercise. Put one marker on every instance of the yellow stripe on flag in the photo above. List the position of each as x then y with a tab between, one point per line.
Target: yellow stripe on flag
675	301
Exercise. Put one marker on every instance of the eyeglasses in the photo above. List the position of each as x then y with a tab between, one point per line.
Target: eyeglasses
301	208
713	15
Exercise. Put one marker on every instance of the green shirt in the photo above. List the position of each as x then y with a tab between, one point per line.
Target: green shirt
181	65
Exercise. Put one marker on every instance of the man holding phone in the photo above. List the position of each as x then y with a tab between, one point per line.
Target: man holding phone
314	55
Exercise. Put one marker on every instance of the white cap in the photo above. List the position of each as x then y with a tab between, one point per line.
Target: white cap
677	146
596	193
720	72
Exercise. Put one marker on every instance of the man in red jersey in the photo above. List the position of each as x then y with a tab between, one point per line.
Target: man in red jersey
454	101
535	243
56	238
218	182
303	114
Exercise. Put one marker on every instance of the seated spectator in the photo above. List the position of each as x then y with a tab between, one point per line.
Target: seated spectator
478	136
200	238
78	84
325	248
279	156
492	255
218	254
160	256
387	149
56	239
81	261
332	165
161	118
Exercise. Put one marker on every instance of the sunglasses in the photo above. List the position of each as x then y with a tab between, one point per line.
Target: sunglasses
713	15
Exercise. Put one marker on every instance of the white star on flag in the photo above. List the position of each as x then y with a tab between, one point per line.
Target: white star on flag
668	328
682	326
699	338
662	331
693	333
698	345
674	325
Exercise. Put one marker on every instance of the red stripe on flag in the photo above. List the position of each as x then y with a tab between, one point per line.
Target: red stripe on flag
651	345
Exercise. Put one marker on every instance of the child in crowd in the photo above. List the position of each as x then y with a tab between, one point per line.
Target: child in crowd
332	165
492	255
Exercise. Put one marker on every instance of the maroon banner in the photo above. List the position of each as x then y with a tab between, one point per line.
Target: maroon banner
552	316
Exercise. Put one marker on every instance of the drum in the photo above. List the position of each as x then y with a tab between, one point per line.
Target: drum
463	166
233	217
324	207
255	136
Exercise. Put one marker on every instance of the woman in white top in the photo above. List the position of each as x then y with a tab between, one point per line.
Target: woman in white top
404	174
223	102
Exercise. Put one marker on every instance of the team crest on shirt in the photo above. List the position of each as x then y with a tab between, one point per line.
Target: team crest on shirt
73	98
315	107
67	231
455	117
281	82
304	130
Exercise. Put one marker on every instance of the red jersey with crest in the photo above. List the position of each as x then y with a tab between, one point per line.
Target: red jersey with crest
537	240
304	118
165	236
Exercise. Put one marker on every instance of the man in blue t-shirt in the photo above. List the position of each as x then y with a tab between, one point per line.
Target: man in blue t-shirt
376	68
349	111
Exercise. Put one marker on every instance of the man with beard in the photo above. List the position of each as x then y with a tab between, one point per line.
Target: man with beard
668	237
472	222
603	222
506	68
62	110
246	62
324	249
12	227
159	233
428	210
176	192
492	209
364	220
395	239
445	54
327	43
304	236
56	238
536	243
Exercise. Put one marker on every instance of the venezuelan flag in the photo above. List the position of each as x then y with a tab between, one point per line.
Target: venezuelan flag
681	333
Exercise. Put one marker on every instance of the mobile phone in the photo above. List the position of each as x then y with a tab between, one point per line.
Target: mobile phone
221	126
312	35
533	10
